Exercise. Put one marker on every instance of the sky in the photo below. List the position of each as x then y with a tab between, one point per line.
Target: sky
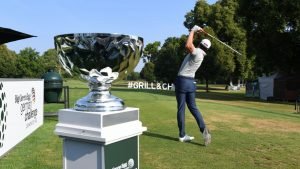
153	20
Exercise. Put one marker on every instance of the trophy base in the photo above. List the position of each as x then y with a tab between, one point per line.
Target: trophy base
99	102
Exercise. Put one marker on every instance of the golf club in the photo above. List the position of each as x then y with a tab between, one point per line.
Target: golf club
221	42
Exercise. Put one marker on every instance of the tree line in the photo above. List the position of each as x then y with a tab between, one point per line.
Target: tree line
266	32
28	63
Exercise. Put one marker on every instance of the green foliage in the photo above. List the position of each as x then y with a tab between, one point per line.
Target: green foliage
147	72
151	51
265	32
7	62
223	23
169	59
273	32
133	76
213	64
50	60
29	64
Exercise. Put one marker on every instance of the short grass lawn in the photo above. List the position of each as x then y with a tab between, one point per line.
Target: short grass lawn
246	133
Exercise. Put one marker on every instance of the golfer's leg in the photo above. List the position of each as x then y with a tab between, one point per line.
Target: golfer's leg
180	97
190	100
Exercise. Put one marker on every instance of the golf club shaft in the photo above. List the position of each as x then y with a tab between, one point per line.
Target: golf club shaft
223	43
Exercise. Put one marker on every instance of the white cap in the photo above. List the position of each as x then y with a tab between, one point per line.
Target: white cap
206	43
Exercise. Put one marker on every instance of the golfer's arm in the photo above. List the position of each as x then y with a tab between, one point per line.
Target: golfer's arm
189	43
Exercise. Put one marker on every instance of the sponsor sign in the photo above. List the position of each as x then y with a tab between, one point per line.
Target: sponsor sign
151	85
122	154
21	110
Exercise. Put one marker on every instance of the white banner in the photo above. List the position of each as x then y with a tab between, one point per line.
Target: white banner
21	110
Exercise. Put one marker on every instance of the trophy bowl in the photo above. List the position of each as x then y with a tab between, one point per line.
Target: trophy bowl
100	58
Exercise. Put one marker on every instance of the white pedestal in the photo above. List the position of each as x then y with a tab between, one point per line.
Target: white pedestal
99	140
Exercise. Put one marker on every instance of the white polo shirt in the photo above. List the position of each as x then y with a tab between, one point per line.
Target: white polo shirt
191	63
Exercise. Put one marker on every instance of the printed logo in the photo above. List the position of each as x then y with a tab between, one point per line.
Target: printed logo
153	86
33	95
126	165
130	163
28	110
3	114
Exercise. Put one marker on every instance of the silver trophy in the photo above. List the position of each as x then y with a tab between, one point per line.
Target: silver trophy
100	58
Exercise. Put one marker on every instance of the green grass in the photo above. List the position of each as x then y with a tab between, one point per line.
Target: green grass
246	133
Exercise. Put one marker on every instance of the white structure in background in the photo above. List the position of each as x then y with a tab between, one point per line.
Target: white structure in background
21	110
233	87
266	86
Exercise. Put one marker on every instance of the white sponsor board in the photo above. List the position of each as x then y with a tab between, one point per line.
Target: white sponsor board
21	110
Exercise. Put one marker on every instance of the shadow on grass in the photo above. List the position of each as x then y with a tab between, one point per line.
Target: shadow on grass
165	137
293	115
51	118
215	93
212	95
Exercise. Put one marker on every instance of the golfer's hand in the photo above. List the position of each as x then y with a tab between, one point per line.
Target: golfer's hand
197	28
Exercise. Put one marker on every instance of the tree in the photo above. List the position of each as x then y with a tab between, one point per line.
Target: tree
29	64
151	51
212	66
147	72
273	33
133	76
50	60
7	62
169	58
226	25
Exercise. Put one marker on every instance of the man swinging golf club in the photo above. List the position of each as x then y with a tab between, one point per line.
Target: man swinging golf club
185	86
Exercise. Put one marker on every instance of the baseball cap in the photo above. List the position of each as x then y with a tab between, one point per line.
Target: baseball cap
206	43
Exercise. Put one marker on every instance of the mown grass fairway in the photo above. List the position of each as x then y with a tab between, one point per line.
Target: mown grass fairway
246	133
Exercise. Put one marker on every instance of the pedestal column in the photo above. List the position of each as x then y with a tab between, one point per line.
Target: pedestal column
100	140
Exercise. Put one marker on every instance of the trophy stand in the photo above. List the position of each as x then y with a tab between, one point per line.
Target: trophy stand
99	132
99	98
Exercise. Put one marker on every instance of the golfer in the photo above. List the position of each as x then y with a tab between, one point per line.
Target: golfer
185	86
